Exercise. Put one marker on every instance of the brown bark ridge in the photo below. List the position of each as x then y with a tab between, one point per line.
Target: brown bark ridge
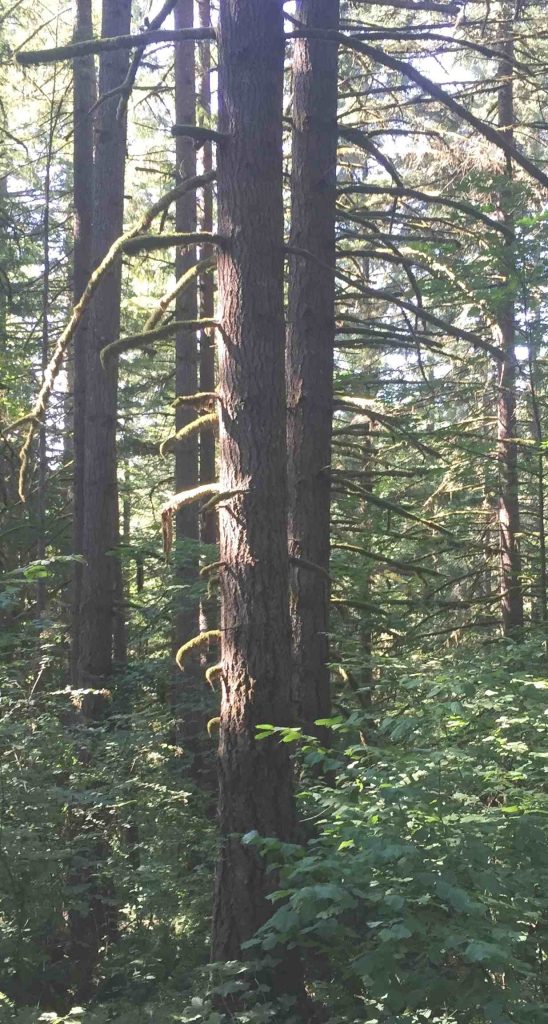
254	776
184	691
507	453
84	97
309	354
100	530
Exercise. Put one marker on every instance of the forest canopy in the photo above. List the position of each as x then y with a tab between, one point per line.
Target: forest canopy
273	556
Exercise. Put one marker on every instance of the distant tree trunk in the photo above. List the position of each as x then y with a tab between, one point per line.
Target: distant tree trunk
538	435
85	94
41	591
254	777
94	924
509	511
309	359
184	691
101	527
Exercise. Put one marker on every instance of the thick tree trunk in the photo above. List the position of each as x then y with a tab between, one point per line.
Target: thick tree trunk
255	777
309	358
509	512
101	528
85	94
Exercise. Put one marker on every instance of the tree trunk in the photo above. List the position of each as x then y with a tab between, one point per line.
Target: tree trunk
85	94
41	590
100	531
509	512
309	358
208	532
184	691
94	924
254	777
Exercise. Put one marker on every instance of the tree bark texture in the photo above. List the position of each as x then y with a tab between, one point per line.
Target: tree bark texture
509	511
254	776
185	695
208	531
84	97
101	528
309	357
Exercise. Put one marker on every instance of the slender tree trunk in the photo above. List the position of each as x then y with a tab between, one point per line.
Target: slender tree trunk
309	359
207	287
254	777
509	512
94	924
101	528
208	532
538	435
208	523
184	691
41	591
85	94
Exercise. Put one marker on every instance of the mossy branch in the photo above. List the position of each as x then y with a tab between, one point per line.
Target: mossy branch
210	420
115	348
179	501
211	567
201	640
151	243
221	496
180	286
213	672
202	400
34	417
129	42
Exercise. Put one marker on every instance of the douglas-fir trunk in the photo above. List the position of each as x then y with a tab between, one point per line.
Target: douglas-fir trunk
100	532
255	777
309	358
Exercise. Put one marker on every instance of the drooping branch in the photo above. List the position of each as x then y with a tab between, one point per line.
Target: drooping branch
404	192
149	337
178	501
492	134
201	640
379	293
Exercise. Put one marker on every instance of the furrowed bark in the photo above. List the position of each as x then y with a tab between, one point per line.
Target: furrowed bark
102	570
208	531
309	356
254	776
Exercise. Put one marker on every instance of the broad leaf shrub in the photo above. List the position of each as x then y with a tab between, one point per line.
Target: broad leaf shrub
423	889
418	893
